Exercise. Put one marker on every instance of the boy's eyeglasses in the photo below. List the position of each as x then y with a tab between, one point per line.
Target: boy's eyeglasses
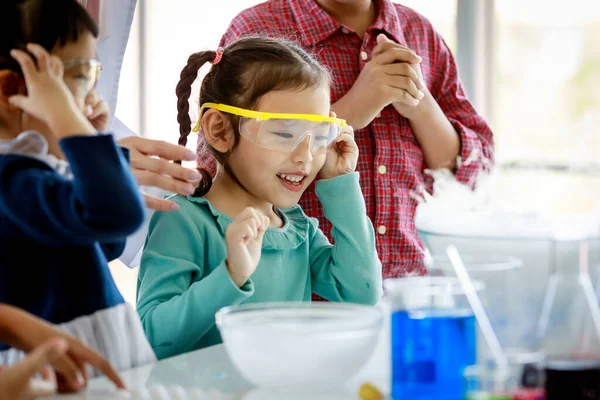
81	75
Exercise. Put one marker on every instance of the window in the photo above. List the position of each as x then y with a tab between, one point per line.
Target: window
171	32
547	102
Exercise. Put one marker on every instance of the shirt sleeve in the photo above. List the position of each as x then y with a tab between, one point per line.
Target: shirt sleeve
112	251
349	270
100	204
477	142
175	307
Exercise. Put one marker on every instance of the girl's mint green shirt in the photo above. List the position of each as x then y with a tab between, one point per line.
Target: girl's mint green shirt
183	280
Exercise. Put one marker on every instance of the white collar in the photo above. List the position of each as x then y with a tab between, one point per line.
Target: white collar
33	144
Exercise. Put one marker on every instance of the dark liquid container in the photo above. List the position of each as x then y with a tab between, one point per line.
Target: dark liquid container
572	379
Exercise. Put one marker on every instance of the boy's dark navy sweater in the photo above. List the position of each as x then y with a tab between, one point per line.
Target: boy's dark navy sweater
57	234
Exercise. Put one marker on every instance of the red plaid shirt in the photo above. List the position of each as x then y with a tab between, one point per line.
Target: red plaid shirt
391	162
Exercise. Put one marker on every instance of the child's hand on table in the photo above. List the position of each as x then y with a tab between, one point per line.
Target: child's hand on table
18	383
27	332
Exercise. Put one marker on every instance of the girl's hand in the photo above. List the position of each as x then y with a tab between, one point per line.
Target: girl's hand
244	244
97	112
342	157
18	383
48	97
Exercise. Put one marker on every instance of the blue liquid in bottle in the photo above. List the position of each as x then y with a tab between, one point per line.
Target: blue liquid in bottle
430	349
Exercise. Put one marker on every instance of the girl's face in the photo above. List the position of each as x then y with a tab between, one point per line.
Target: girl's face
280	178
79	75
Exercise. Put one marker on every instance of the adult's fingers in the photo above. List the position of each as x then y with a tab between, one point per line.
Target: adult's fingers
160	204
158	148
149	178
164	167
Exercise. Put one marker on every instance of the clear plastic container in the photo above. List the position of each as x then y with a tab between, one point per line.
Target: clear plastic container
502	277
521	379
298	344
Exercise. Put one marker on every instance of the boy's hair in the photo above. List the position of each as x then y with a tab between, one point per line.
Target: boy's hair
250	68
48	23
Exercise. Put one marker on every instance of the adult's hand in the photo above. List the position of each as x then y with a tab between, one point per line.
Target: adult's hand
151	164
388	78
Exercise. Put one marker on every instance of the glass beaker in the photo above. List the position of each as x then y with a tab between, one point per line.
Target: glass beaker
521	379
501	299
433	336
569	330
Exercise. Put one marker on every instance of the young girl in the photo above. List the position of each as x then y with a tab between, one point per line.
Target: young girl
242	238
67	197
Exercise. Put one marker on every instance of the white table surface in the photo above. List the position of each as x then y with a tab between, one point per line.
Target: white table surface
212	371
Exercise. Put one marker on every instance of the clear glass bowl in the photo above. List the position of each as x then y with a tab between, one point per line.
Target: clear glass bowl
299	344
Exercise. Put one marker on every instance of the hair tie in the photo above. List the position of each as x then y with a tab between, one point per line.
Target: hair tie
218	56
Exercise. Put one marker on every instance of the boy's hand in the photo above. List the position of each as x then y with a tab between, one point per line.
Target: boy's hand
17	382
244	244
342	157
48	97
97	112
408	106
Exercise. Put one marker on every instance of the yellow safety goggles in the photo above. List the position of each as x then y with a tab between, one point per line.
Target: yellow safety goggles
282	132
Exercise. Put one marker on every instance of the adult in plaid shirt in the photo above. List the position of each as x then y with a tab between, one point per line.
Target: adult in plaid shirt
396	83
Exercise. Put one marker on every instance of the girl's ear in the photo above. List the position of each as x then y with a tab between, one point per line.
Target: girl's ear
11	83
218	131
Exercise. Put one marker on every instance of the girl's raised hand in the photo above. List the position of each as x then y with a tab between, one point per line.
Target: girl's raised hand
244	244
342	157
